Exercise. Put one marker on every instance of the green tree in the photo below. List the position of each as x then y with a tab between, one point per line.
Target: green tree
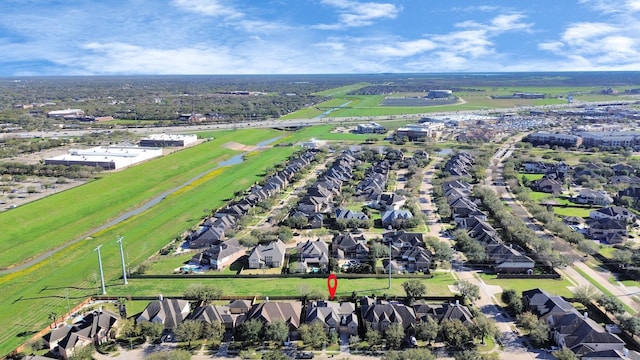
212	330
484	327
611	304
277	331
414	288
129	329
189	331
313	334
373	336
468	290
151	330
83	353
467	355
427	330
249	331
539	333
395	335
204	293
274	355
178	354
585	293
564	354
630	324
527	320
455	333
409	354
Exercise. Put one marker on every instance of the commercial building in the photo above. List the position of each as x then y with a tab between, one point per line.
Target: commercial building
419	131
370	128
109	158
67	113
168	140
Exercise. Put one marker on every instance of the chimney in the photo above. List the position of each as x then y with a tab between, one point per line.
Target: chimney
585	315
457	302
266	299
160	297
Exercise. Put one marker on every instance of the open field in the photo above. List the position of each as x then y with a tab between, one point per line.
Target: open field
72	273
99	201
438	285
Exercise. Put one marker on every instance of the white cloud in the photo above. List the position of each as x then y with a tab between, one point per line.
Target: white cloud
208	7
403	48
357	14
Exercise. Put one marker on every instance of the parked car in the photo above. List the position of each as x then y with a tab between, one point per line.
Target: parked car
304	355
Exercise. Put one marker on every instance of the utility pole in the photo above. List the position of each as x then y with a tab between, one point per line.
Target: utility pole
124	267
390	264
104	290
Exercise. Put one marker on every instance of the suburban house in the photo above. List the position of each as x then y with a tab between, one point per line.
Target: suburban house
570	329
94	328
613	212
547	184
226	315
592	197
220	256
380	314
583	336
348	214
395	218
611	231
312	256
168	312
288	312
443	312
349	246
387	201
335	317
546	306
267	255
208	236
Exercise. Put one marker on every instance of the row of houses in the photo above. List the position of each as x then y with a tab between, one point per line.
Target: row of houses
219	253
338	317
467	215
572	330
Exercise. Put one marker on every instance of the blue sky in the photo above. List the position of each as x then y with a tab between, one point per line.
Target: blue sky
79	37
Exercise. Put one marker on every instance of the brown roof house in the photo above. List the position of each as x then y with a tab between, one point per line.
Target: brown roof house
169	312
221	255
288	312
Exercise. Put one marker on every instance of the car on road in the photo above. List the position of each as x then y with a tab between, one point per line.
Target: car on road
304	355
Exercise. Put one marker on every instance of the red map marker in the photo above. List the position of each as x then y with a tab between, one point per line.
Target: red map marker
334	287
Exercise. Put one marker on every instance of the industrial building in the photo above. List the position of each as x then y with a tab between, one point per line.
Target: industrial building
67	113
168	140
419	131
106	157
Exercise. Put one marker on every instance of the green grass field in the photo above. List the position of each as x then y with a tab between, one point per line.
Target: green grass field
26	234
32	294
554	287
437	286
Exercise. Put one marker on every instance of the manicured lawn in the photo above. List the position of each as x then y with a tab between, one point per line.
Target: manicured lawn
279	286
572	211
530	177
554	287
